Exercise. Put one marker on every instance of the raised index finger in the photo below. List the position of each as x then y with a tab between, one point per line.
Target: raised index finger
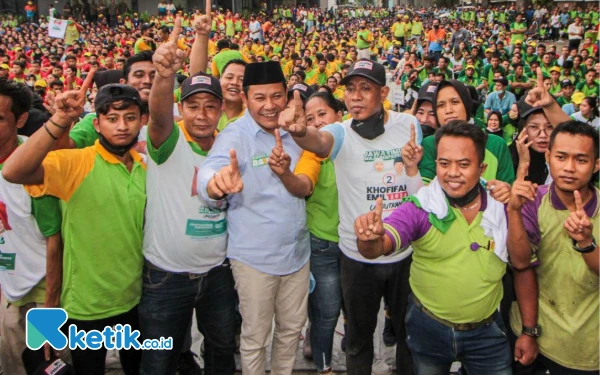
176	30
278	142
89	81
540	77
298	102
233	161
413	134
578	202
379	208
208	7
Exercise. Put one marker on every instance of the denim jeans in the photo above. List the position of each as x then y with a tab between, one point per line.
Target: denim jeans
166	308
434	346
363	286
325	302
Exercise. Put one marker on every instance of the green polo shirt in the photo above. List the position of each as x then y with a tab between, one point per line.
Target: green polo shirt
497	158
568	301
103	219
452	281
588	90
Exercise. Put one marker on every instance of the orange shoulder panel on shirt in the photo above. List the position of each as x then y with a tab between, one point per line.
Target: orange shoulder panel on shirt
64	170
310	166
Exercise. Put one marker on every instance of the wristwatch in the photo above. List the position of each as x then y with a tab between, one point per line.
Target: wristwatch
588	249
533	332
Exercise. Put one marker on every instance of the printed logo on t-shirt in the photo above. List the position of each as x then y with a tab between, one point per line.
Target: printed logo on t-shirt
386	178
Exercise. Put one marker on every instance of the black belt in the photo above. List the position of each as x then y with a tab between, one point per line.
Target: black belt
191	275
455	326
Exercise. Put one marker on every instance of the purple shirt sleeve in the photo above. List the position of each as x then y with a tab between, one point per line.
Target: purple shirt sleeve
407	223
530	216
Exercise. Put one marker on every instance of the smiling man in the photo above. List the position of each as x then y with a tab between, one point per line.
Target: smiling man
268	243
458	236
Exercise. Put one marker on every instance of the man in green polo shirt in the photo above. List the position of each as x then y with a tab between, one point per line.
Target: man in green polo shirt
453	310
225	55
589	87
556	258
517	30
364	37
102	190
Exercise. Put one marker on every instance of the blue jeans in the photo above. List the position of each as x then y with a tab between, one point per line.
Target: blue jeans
325	302
166	308
434	346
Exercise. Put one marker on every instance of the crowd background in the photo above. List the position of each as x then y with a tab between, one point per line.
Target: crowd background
498	53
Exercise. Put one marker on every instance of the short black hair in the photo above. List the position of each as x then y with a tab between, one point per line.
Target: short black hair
119	105
138	57
461	128
233	62
222	44
19	94
574	127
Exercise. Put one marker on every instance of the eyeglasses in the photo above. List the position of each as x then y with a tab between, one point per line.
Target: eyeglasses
535	131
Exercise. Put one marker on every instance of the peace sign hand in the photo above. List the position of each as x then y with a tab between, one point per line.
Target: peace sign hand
293	119
203	23
69	104
412	153
369	226
169	58
279	160
578	224
539	96
523	146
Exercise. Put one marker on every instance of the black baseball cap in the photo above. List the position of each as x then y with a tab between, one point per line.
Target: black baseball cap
304	90
115	92
368	69
525	109
566	82
201	82
502	80
427	93
147	26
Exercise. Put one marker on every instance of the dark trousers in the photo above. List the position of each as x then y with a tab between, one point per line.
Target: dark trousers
168	302
574	44
363	286
91	362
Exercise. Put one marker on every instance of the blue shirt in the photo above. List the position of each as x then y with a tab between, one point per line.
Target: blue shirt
568	108
266	224
503	105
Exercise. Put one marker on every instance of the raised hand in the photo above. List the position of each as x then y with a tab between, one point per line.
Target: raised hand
412	153
203	23
279	160
293	119
170	57
522	191
226	181
369	226
523	146
539	96
578	224
68	105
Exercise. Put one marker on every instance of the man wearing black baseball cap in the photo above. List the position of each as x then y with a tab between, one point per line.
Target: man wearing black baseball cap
500	100
566	92
363	150
176	153
102	189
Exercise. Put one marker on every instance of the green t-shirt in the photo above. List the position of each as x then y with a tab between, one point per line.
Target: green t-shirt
497	157
517	36
83	133
361	44
488	73
322	216
588	90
